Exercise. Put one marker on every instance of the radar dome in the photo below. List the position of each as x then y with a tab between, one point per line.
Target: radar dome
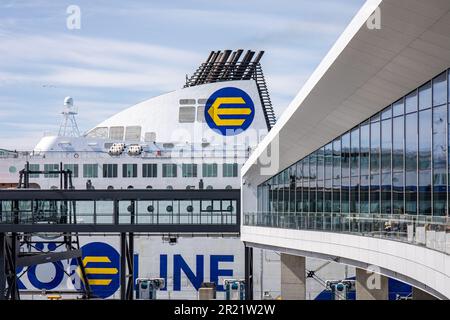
68	101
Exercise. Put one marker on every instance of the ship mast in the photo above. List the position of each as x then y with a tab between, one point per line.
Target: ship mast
69	127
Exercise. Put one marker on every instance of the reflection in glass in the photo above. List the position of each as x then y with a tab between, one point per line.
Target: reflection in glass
425	162
440	90
425	96
440	160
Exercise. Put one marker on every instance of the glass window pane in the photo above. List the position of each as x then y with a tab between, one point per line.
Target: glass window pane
398	108
346	155
386	113
375	148
425	96
440	89
337	176
386	145
397	144
425	162
425	140
411	102
354	159
440	161
411	147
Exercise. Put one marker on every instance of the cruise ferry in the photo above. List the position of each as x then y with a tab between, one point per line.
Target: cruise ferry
196	137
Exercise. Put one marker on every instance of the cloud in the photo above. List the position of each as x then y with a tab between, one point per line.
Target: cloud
92	62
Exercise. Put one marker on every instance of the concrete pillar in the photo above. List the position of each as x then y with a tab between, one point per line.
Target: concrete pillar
293	277
371	286
418	294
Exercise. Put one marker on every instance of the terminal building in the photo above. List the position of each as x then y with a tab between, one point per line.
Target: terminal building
356	170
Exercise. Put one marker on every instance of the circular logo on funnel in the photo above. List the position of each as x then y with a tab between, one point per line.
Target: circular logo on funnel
229	111
101	263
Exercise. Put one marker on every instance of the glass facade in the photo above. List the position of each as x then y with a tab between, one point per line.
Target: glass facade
396	162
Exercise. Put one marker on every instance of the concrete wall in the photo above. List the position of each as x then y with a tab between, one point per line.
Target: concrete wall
371	286
293	284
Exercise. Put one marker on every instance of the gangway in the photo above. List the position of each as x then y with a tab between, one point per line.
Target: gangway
26	212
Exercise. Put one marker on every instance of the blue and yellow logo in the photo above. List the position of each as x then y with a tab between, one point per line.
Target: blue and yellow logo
229	111
101	262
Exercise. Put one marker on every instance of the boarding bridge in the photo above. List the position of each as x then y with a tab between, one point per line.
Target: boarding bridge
70	213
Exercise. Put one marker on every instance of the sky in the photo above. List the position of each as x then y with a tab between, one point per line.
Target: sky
128	51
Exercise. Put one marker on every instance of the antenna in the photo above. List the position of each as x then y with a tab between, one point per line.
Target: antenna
69	127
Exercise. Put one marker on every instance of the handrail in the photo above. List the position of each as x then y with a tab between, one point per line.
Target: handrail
431	232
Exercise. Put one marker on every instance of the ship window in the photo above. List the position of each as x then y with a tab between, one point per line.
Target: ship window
110	188
189	170
230	170
187	101
116	133
169	170
99	132
148	187
51	167
150	137
209	170
129	170
90	170
169	188
168	145
202	101
149	170
228	187
72	167
201	114
209	188
109	170
186	115
133	133
34	167
130	187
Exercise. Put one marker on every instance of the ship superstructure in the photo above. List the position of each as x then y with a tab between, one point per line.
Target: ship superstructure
151	143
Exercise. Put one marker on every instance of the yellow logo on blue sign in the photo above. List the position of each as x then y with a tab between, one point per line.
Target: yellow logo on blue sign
229	111
101	262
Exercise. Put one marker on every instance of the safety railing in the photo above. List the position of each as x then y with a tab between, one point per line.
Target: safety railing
432	232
